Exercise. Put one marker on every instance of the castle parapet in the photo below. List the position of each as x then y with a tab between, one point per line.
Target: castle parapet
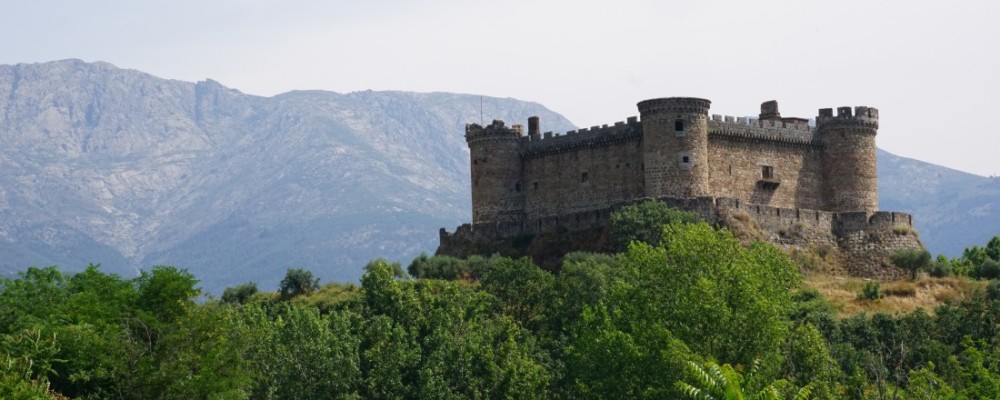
550	143
494	131
789	130
865	118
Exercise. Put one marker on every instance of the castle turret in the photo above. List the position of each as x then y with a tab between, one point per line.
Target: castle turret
849	170
496	172
675	146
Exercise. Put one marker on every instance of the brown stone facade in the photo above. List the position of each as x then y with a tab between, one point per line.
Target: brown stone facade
537	183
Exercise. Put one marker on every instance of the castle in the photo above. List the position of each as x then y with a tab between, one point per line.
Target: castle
816	181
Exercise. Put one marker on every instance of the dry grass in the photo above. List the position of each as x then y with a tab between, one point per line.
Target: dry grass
822	258
742	225
903	230
901	297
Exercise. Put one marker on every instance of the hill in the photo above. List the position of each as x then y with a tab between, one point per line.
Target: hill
122	168
952	209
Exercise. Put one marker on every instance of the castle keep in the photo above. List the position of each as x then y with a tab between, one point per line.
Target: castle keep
818	181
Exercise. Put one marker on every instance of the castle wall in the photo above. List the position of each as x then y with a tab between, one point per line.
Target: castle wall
867	240
737	165
582	178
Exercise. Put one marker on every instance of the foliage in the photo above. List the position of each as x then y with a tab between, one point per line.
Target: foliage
698	315
297	281
713	382
643	222
871	291
240	293
913	260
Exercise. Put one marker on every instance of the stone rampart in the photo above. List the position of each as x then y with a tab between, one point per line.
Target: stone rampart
790	132
866	239
549	143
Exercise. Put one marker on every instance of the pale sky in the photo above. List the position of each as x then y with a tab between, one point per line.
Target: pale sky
930	67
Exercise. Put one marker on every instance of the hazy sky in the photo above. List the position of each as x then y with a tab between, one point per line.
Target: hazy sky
930	67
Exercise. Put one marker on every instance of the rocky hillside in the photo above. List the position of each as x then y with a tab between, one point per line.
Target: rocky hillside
117	167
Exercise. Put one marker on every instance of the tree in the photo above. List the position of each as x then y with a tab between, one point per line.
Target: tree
713	382
166	292
298	281
912	260
239	294
644	222
993	248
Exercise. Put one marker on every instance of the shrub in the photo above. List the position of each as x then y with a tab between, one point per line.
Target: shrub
298	281
913	260
989	269
941	267
871	291
644	222
239	294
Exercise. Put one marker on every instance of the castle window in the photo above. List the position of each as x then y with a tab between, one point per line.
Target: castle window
584	178
685	159
679	125
766	172
517	187
534	185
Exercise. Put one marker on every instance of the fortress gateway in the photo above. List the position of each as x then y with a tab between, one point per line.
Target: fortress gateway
801	185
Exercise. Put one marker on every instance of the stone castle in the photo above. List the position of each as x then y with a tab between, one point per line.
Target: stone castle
802	185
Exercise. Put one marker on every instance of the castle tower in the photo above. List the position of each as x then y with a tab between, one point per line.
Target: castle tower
496	172
675	146
849	158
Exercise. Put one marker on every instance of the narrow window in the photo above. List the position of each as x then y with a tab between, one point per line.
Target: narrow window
517	187
679	125
534	185
767	172
685	159
584	178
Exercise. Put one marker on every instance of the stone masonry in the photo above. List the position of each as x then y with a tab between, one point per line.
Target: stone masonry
786	173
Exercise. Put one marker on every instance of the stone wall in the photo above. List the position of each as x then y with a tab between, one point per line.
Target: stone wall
866	239
737	165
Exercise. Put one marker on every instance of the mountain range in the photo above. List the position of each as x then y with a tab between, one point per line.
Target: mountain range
118	167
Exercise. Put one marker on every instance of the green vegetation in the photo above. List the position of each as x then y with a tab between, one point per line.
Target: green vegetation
913	260
698	314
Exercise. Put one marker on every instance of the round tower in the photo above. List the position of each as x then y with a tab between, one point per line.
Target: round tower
496	172
850	181
675	146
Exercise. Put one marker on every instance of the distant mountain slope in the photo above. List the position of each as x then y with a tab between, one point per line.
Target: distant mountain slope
952	209
118	167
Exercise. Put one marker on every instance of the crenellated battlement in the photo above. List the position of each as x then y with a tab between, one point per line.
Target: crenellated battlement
549	143
861	116
793	131
494	131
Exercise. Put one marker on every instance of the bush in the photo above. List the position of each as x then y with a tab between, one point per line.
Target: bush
871	291
239	294
298	281
644	222
941	267
913	260
989	269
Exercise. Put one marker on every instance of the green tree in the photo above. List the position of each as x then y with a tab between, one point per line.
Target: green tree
644	222
166	292
912	260
993	248
297	281
713	382
240	293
